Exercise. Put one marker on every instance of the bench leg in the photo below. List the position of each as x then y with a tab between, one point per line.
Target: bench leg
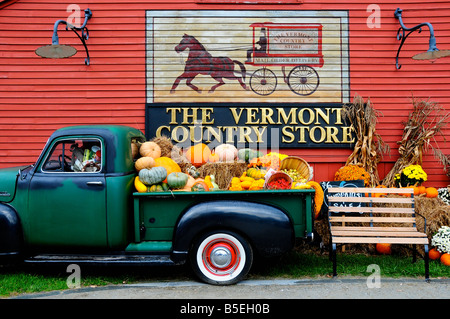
414	253
333	258
427	269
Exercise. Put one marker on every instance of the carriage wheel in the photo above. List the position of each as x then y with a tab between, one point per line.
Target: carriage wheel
303	80
263	81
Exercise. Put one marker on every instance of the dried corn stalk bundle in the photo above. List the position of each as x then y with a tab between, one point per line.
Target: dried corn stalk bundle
424	122
369	146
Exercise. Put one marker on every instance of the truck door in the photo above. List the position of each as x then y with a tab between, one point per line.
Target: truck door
67	195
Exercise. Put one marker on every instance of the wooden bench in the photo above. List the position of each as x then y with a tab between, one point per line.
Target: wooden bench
369	216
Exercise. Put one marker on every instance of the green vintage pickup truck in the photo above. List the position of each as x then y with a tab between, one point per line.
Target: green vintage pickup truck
56	210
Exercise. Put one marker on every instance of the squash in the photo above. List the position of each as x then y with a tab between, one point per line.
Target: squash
160	187
193	172
210	180
318	197
150	149
200	186
198	154
153	175
247	154
144	162
256	173
177	180
134	149
140	187
169	164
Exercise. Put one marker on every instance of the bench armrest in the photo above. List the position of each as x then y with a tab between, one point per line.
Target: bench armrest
424	222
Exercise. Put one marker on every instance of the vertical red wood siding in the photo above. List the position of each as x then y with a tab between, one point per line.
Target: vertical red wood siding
40	95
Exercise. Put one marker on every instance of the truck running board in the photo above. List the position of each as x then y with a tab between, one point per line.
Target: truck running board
155	260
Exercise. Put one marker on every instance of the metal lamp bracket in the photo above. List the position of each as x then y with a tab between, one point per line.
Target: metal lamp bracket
84	32
403	32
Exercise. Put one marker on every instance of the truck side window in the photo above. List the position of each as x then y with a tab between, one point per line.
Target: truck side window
75	155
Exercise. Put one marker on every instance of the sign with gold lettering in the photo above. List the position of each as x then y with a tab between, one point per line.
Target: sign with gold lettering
275	78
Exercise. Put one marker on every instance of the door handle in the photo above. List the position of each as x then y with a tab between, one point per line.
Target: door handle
98	183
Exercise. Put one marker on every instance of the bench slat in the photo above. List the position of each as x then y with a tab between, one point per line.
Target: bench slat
340	209
381	200
352	233
379	240
370	190
353	219
375	228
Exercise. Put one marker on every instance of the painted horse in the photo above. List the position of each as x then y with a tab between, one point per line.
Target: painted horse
200	61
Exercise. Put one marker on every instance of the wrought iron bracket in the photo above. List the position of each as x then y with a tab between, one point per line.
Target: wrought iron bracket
403	32
84	32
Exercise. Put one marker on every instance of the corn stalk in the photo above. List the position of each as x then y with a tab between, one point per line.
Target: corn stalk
425	121
369	146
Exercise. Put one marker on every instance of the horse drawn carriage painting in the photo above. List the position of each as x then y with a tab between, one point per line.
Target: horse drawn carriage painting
247	56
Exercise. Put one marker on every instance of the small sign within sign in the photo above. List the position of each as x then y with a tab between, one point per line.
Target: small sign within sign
326	185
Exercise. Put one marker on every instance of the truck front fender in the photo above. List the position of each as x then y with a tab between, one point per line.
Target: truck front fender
11	238
268	229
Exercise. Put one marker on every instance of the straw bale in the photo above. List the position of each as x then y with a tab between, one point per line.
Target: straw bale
223	171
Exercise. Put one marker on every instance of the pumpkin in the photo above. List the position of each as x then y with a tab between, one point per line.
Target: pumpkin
153	175
169	164
213	157
421	189
177	180
434	254
379	194
144	162
150	149
431	192
445	259
384	249
198	154
140	187
247	154
134	149
200	186
318	197
226	152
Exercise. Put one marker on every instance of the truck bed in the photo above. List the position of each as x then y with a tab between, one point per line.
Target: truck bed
155	214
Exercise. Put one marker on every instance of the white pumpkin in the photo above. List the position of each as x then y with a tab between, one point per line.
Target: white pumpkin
226	152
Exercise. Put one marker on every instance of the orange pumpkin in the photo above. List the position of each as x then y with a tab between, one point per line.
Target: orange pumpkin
384	249
144	162
421	189
213	158
380	194
434	254
445	259
150	149
198	154
431	192
169	164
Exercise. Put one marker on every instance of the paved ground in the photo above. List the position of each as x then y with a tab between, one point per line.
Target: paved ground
326	288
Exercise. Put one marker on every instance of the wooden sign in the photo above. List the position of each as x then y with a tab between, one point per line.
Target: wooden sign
275	61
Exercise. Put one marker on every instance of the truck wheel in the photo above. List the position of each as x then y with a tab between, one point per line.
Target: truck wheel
221	258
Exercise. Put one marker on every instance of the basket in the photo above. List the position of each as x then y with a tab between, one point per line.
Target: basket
299	164
278	175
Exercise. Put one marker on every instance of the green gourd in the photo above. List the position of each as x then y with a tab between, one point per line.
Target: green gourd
153	175
177	180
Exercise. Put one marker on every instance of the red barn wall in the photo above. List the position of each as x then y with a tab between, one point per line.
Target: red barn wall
39	95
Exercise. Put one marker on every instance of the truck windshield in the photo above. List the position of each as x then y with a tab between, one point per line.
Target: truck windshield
75	155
